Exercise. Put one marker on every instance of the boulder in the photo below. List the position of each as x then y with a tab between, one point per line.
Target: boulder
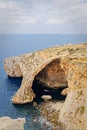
46	97
6	123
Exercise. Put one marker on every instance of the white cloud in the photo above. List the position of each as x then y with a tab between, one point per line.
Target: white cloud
14	13
23	20
3	4
55	21
76	13
47	12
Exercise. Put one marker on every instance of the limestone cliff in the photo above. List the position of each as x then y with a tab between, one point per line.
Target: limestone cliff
72	113
51	67
55	67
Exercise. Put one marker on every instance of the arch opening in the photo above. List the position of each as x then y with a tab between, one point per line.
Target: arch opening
51	80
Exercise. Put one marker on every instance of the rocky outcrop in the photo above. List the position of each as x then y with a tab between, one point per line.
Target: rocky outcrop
50	66
6	123
72	115
55	67
74	111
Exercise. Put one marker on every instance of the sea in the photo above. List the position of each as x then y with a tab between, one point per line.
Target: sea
17	44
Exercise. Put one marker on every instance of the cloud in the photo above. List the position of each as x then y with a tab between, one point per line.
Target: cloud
47	12
18	15
3	4
53	12
14	13
23	20
55	21
76	14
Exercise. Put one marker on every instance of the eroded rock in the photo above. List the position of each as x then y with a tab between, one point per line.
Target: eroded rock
74	111
46	97
55	67
64	92
53	75
49	66
6	123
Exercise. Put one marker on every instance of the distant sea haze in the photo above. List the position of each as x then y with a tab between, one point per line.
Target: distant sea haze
15	44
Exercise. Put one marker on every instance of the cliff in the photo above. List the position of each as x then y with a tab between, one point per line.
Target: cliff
55	67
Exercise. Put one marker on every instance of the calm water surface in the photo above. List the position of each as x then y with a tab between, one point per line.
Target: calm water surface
11	45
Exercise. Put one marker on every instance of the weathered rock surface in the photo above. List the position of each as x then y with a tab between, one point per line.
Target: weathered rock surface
50	66
55	67
51	111
74	111
6	123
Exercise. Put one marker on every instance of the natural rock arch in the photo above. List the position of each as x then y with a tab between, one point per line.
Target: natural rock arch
29	65
73	62
25	93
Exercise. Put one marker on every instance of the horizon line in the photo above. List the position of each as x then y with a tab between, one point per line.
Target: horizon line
44	33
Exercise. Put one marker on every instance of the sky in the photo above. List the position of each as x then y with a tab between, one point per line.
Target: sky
43	16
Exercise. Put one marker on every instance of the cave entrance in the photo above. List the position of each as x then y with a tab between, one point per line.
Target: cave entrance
50	81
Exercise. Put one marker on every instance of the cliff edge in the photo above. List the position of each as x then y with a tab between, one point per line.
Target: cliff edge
55	67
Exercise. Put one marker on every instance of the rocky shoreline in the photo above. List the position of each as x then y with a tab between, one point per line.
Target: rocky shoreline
51	111
55	67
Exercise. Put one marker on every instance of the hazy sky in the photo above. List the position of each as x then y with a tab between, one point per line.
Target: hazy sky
43	16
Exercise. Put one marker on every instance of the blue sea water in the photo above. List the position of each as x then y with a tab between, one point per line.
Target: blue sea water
16	44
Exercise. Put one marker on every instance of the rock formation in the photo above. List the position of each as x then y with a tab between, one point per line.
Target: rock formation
6	123
72	115
74	111
55	67
50	66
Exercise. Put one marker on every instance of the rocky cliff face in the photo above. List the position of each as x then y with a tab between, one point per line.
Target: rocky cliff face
55	67
74	111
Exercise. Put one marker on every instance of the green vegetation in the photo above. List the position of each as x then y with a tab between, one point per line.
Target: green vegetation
70	49
80	110
80	93
77	49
